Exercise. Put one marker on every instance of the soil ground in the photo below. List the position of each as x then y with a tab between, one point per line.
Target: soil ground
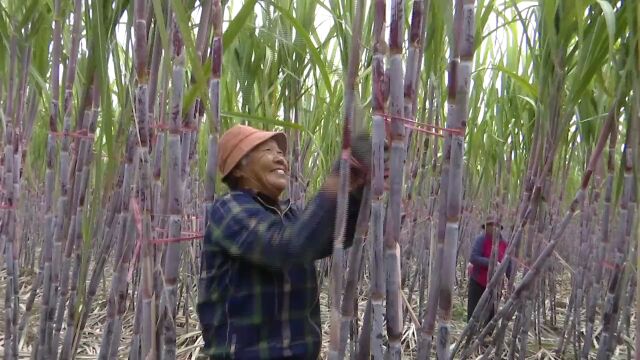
189	340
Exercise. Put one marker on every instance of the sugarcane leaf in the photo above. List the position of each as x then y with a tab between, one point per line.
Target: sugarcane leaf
4	26
32	10
524	83
100	45
610	20
199	86
160	23
311	47
529	100
238	23
262	119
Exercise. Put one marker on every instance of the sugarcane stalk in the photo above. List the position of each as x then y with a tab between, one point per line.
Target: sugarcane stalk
33	292
111	236
73	233
191	114
194	115
7	232
397	158
353	272
65	214
16	139
379	94
423	254
425	333
153	254
8	235
214	111
338	329
438	243
601	256
415	52
116	303
637	326
420	259
90	124
425	339
175	190
412	77
636	115
527	308
464	24
617	283
144	315
363	350
575	301
553	310
337	258
122	283
631	248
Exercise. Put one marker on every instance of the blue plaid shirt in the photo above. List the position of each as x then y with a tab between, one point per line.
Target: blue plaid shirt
258	292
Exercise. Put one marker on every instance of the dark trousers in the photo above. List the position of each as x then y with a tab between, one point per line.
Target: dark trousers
475	292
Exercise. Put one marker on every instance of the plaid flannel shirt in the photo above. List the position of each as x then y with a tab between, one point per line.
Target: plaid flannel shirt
258	292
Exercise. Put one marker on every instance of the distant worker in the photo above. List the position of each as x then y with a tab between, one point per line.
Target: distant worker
479	264
258	292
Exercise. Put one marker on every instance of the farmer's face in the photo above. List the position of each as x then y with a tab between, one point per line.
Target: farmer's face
265	170
489	228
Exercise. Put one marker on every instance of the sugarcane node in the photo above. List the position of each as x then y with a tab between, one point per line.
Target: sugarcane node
174	130
83	133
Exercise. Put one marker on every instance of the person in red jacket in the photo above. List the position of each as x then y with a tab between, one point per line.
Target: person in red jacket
479	271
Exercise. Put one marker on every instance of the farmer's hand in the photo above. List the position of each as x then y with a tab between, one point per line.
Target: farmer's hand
360	161
355	182
361	156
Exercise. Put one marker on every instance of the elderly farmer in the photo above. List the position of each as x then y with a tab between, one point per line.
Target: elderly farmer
480	255
258	293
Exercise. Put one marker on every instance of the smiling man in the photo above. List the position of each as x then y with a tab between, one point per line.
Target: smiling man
258	293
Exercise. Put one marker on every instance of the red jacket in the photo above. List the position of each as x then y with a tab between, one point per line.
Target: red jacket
480	255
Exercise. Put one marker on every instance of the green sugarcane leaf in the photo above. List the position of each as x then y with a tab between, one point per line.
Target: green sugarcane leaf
311	47
238	23
160	23
524	83
31	11
264	120
35	75
529	100
199	86
610	19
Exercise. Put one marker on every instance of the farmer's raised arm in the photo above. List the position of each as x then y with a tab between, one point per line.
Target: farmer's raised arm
247	231
353	211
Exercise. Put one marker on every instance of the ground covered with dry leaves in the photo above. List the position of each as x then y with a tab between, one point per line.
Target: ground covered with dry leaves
190	341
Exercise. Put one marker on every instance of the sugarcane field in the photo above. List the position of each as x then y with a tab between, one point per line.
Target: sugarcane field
319	179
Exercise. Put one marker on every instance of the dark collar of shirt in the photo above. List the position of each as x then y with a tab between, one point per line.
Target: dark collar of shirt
280	206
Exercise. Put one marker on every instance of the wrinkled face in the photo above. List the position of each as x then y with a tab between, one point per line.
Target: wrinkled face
265	170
